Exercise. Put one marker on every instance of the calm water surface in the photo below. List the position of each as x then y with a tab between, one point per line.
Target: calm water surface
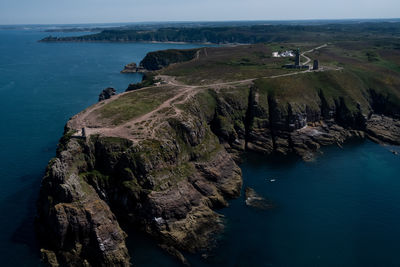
341	210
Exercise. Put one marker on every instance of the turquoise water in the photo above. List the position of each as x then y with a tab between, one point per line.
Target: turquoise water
41	86
340	210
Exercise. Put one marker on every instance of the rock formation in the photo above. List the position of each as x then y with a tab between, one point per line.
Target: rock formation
160	59
168	189
256	201
130	68
107	93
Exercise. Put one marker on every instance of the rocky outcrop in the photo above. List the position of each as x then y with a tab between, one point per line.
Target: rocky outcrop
76	227
107	93
383	129
160	59
132	68
168	188
275	126
254	200
129	68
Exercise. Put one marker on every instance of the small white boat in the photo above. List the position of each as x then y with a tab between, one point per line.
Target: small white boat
272	180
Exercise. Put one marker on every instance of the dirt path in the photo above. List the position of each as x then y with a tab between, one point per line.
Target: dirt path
309	51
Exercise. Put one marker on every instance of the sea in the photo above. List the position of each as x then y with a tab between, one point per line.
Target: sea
342	209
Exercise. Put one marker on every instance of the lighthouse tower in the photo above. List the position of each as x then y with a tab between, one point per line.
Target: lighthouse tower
297	60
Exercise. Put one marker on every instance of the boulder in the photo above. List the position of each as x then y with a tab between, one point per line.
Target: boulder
107	93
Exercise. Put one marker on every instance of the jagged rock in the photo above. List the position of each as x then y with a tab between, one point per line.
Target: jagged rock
168	188
76	227
384	128
107	93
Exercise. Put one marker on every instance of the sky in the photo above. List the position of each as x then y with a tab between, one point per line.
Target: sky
107	11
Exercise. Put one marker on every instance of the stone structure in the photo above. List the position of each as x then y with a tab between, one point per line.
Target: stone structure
297	63
315	65
297	60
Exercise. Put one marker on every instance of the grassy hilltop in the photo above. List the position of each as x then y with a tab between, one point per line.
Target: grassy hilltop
367	68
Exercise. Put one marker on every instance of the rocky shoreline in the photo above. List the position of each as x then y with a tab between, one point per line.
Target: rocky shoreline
167	171
170	187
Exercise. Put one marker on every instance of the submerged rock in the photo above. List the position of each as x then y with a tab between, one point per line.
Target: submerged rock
256	201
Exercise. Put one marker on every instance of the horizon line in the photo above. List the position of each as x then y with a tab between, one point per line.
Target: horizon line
199	21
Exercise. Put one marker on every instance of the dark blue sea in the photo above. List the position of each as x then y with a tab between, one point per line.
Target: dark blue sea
343	209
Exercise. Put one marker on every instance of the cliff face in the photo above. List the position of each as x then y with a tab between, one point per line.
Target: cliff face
166	188
160	59
285	127
76	226
265	119
167	171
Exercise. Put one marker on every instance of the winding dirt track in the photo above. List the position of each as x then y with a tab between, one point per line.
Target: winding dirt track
309	51
153	121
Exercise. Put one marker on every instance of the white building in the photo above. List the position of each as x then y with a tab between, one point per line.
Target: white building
283	54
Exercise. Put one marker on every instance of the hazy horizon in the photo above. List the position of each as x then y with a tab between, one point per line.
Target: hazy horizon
14	12
198	21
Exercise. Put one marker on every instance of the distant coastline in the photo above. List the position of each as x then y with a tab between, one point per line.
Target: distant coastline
249	34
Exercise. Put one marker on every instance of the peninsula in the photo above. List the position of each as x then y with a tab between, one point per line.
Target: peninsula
163	157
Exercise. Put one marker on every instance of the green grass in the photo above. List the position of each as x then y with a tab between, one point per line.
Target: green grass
369	64
135	104
229	64
304	89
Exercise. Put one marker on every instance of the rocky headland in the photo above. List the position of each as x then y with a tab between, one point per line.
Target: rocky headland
164	158
160	59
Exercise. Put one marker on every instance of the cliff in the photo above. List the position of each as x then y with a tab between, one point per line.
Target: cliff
168	188
163	158
160	59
